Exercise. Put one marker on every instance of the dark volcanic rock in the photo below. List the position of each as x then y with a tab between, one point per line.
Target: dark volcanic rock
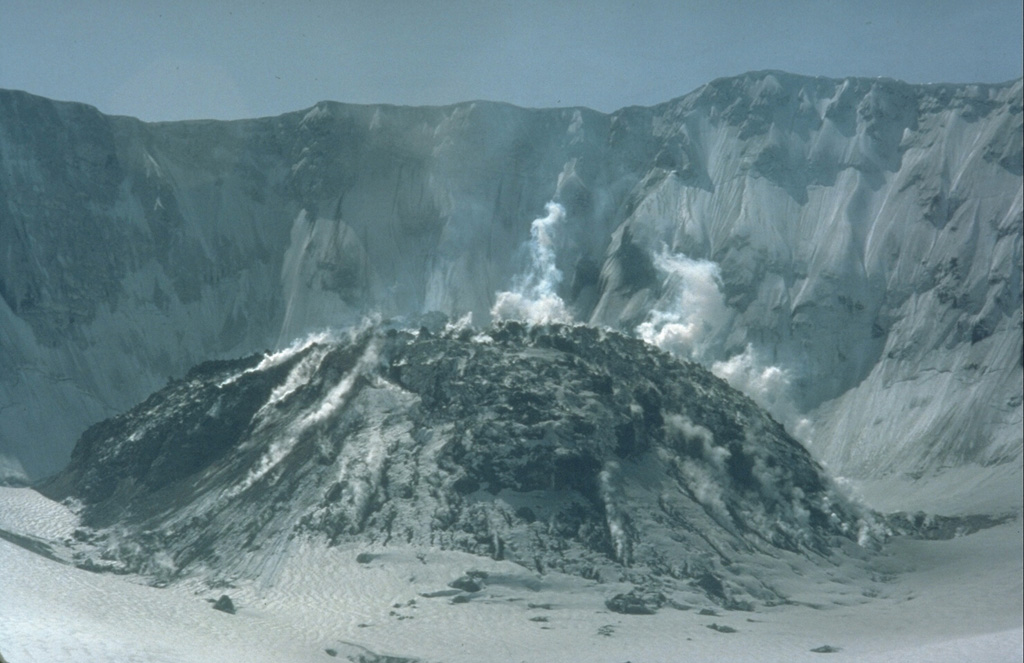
636	602
934	527
225	604
560	448
466	583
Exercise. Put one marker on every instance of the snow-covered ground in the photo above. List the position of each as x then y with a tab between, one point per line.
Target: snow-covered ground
954	600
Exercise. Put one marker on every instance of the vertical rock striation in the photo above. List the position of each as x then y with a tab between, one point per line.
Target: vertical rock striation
866	236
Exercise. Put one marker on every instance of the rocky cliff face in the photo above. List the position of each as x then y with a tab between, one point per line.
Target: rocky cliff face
559	448
848	251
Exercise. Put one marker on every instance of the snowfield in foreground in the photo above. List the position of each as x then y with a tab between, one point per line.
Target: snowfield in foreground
953	600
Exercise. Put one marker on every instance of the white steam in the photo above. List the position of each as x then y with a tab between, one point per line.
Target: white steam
11	469
765	384
338	394
286	440
613	496
705	474
689	318
460	325
276	358
714	455
769	386
533	298
299	375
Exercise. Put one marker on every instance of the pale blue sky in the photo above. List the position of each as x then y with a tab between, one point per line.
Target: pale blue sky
166	60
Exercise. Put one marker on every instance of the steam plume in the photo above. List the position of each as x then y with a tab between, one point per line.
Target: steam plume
691	319
687	320
533	297
768	385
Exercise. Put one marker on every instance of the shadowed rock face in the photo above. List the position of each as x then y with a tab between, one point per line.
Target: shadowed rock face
868	235
559	448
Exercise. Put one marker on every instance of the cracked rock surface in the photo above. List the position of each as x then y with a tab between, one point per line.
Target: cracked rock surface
559	448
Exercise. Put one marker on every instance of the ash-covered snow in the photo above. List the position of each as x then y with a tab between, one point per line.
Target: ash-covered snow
940	601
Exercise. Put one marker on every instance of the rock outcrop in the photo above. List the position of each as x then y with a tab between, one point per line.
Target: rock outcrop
560	448
863	238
